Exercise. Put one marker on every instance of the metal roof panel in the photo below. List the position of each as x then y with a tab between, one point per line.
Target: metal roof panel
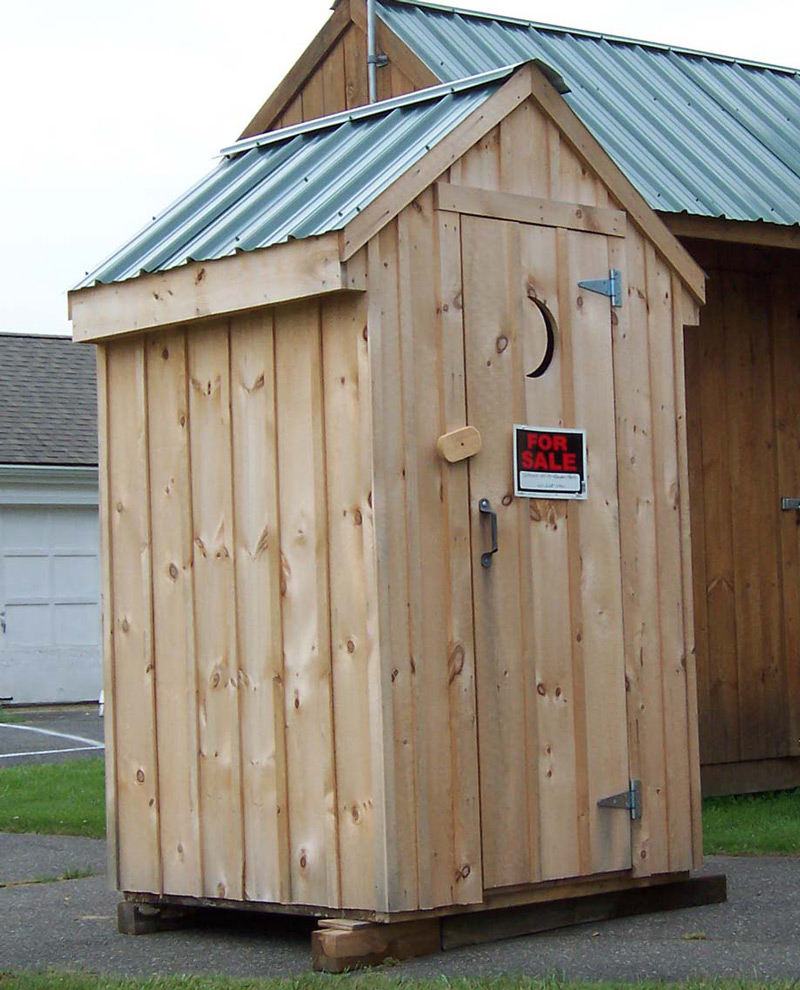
697	133
301	182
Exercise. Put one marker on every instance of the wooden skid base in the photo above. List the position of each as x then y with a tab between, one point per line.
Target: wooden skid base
145	919
338	945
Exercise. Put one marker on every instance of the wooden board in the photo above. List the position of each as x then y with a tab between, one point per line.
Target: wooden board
131	621
173	613
349	481
216	645
257	562
305	607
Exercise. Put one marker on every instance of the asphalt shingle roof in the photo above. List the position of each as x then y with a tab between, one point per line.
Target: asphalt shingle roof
48	401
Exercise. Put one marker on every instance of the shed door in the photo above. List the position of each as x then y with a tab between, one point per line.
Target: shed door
548	611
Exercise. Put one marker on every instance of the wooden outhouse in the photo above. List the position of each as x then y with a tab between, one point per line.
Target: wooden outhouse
397	561
712	144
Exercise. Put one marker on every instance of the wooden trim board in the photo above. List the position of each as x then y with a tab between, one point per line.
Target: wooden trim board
340	946
529	209
296	270
735	231
750	776
494	900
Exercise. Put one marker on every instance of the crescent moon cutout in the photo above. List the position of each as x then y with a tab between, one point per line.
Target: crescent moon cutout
550	327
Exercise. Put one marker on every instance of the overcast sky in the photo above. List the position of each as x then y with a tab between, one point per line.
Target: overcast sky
110	110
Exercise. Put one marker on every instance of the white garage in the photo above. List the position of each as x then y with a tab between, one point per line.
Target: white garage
49	535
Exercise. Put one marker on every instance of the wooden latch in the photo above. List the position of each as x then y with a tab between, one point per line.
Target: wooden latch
458	445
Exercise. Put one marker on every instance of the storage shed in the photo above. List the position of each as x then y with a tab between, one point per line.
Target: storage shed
712	143
357	359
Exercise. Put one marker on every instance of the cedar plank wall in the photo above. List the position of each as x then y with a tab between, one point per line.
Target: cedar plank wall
239	514
418	381
340	82
743	366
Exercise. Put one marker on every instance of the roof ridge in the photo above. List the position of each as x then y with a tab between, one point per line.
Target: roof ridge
372	109
598	35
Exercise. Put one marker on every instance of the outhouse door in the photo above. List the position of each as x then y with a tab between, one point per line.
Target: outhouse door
550	675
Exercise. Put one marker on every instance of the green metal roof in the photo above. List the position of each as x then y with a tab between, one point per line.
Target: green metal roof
696	133
301	181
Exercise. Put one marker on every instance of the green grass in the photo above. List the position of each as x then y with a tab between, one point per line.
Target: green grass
10	717
357	981
753	824
54	798
68	799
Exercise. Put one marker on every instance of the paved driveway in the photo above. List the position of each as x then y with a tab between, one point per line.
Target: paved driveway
51	735
71	924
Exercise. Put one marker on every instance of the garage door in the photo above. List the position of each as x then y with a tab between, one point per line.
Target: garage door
49	603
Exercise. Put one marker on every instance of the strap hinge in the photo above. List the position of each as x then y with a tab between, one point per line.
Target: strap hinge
630	800
611	286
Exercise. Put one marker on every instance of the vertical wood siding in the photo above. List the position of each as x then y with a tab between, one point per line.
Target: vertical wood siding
742	369
240	551
416	250
340	82
291	576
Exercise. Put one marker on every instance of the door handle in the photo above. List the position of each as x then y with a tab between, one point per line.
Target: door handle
485	507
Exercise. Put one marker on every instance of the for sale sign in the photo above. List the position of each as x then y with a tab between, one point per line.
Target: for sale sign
549	463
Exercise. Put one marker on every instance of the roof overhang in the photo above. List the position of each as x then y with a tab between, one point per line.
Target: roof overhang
250	280
755	232
317	266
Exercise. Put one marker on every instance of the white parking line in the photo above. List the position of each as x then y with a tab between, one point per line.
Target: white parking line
50	752
91	743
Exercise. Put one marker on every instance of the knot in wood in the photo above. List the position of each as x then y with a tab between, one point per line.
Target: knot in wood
351	646
173	572
507	499
501	343
303	859
126	625
165	353
140	775
541	689
455	661
357	517
465	871
356	814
